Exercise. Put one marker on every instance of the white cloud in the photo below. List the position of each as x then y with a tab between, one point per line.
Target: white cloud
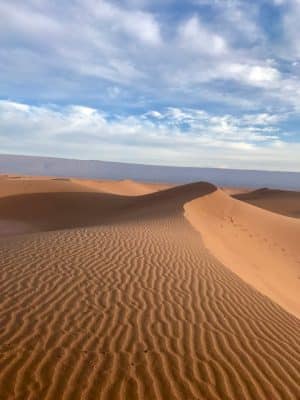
139	24
27	21
289	43
173	136
95	39
263	119
137	55
194	36
237	19
11	106
154	114
257	75
98	42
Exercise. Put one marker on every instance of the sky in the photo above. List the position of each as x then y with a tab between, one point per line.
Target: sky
208	83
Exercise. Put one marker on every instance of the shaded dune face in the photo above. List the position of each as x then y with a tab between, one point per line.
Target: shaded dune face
63	210
50	211
10	185
135	307
279	201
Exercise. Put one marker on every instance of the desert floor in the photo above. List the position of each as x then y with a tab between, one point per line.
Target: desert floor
125	290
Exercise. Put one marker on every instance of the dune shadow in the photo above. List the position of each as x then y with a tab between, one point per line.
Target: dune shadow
284	202
64	210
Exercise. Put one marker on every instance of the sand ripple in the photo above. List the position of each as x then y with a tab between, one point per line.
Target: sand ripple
137	309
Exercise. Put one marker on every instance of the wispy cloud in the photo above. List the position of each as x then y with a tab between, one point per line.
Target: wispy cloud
172	136
216	75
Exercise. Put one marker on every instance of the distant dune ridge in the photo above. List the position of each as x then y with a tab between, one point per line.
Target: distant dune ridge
129	290
91	169
283	202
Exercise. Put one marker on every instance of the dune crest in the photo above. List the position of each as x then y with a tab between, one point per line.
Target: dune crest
135	307
260	246
125	187
17	185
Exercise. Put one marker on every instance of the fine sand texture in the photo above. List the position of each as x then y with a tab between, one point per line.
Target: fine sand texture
117	296
260	246
34	204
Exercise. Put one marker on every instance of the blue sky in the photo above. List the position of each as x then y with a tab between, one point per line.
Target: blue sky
192	83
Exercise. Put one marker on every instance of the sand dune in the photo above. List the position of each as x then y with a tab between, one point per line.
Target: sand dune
137	307
41	204
125	187
16	185
261	247
235	190
284	202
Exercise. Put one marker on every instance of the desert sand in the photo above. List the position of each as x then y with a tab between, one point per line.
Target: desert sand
126	290
285	202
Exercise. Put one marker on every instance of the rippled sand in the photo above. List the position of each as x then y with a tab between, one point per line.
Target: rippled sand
109	296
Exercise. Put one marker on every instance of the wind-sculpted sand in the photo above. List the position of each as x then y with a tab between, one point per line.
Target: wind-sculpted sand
134	307
285	202
260	246
17	185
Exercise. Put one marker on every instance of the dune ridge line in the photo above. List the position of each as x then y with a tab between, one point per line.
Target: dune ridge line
118	297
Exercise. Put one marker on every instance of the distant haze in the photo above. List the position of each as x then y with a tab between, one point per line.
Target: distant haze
60	167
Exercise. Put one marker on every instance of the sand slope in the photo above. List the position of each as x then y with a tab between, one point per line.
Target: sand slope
137	308
260	246
125	187
284	202
17	184
40	204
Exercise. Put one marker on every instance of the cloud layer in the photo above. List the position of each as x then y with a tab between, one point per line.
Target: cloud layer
200	83
173	136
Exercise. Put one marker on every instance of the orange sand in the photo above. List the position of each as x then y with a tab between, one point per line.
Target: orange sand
284	202
127	300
